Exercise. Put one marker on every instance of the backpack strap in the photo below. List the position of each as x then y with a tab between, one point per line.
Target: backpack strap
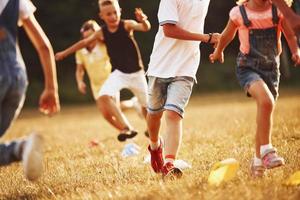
275	17
246	20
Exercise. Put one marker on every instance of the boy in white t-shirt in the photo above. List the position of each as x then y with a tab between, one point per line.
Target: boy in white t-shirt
172	71
13	82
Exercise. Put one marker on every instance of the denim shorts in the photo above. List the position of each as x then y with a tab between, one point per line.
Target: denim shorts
249	70
169	93
13	82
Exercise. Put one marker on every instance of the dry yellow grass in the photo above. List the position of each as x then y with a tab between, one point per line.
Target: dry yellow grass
216	127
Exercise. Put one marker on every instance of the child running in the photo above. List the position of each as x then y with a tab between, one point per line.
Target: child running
259	25
13	83
94	60
172	71
127	66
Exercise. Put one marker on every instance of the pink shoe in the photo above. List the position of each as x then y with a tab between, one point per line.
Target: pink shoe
157	160
257	171
271	160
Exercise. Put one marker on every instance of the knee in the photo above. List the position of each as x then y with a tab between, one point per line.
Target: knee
103	101
172	116
267	104
102	104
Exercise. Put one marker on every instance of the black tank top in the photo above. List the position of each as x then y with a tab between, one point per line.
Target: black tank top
122	49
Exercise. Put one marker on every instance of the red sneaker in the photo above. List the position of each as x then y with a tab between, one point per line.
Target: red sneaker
169	171
157	160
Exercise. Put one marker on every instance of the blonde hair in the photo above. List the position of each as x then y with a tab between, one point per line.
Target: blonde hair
240	2
288	2
90	24
102	3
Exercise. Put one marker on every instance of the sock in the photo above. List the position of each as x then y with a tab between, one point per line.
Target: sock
265	147
257	161
169	158
154	145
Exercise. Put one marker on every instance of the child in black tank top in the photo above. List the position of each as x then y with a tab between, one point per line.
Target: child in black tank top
127	67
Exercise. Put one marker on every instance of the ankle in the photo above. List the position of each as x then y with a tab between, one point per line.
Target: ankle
154	144
125	129
169	158
265	147
257	161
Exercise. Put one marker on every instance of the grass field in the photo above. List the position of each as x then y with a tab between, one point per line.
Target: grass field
216	127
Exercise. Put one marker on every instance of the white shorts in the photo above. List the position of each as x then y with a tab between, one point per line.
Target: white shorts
135	82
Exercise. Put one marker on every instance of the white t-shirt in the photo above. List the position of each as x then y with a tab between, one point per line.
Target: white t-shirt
26	8
172	57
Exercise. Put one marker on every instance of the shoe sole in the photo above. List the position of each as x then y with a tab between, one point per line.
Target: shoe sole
33	157
174	174
276	164
122	137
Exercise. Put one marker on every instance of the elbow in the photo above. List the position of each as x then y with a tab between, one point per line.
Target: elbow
168	33
148	27
168	30
45	48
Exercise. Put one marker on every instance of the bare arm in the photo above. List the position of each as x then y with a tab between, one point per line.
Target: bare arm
79	45
292	41
49	101
142	25
289	14
283	7
79	78
176	32
227	36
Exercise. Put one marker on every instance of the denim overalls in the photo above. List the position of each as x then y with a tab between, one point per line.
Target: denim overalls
13	79
262	62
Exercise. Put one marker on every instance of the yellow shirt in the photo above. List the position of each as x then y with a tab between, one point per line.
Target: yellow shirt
97	65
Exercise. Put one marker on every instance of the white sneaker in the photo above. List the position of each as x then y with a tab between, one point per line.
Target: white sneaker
137	106
32	157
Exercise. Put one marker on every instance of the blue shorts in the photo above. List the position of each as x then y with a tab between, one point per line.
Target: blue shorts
13	84
249	70
169	93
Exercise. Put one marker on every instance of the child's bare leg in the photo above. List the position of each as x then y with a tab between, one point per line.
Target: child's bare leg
265	106
144	112
153	123
173	133
112	113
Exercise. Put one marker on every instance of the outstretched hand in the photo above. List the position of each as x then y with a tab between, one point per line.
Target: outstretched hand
49	102
140	15
60	56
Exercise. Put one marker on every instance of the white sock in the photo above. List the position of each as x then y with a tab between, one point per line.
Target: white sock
154	145
257	161
170	160
265	147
